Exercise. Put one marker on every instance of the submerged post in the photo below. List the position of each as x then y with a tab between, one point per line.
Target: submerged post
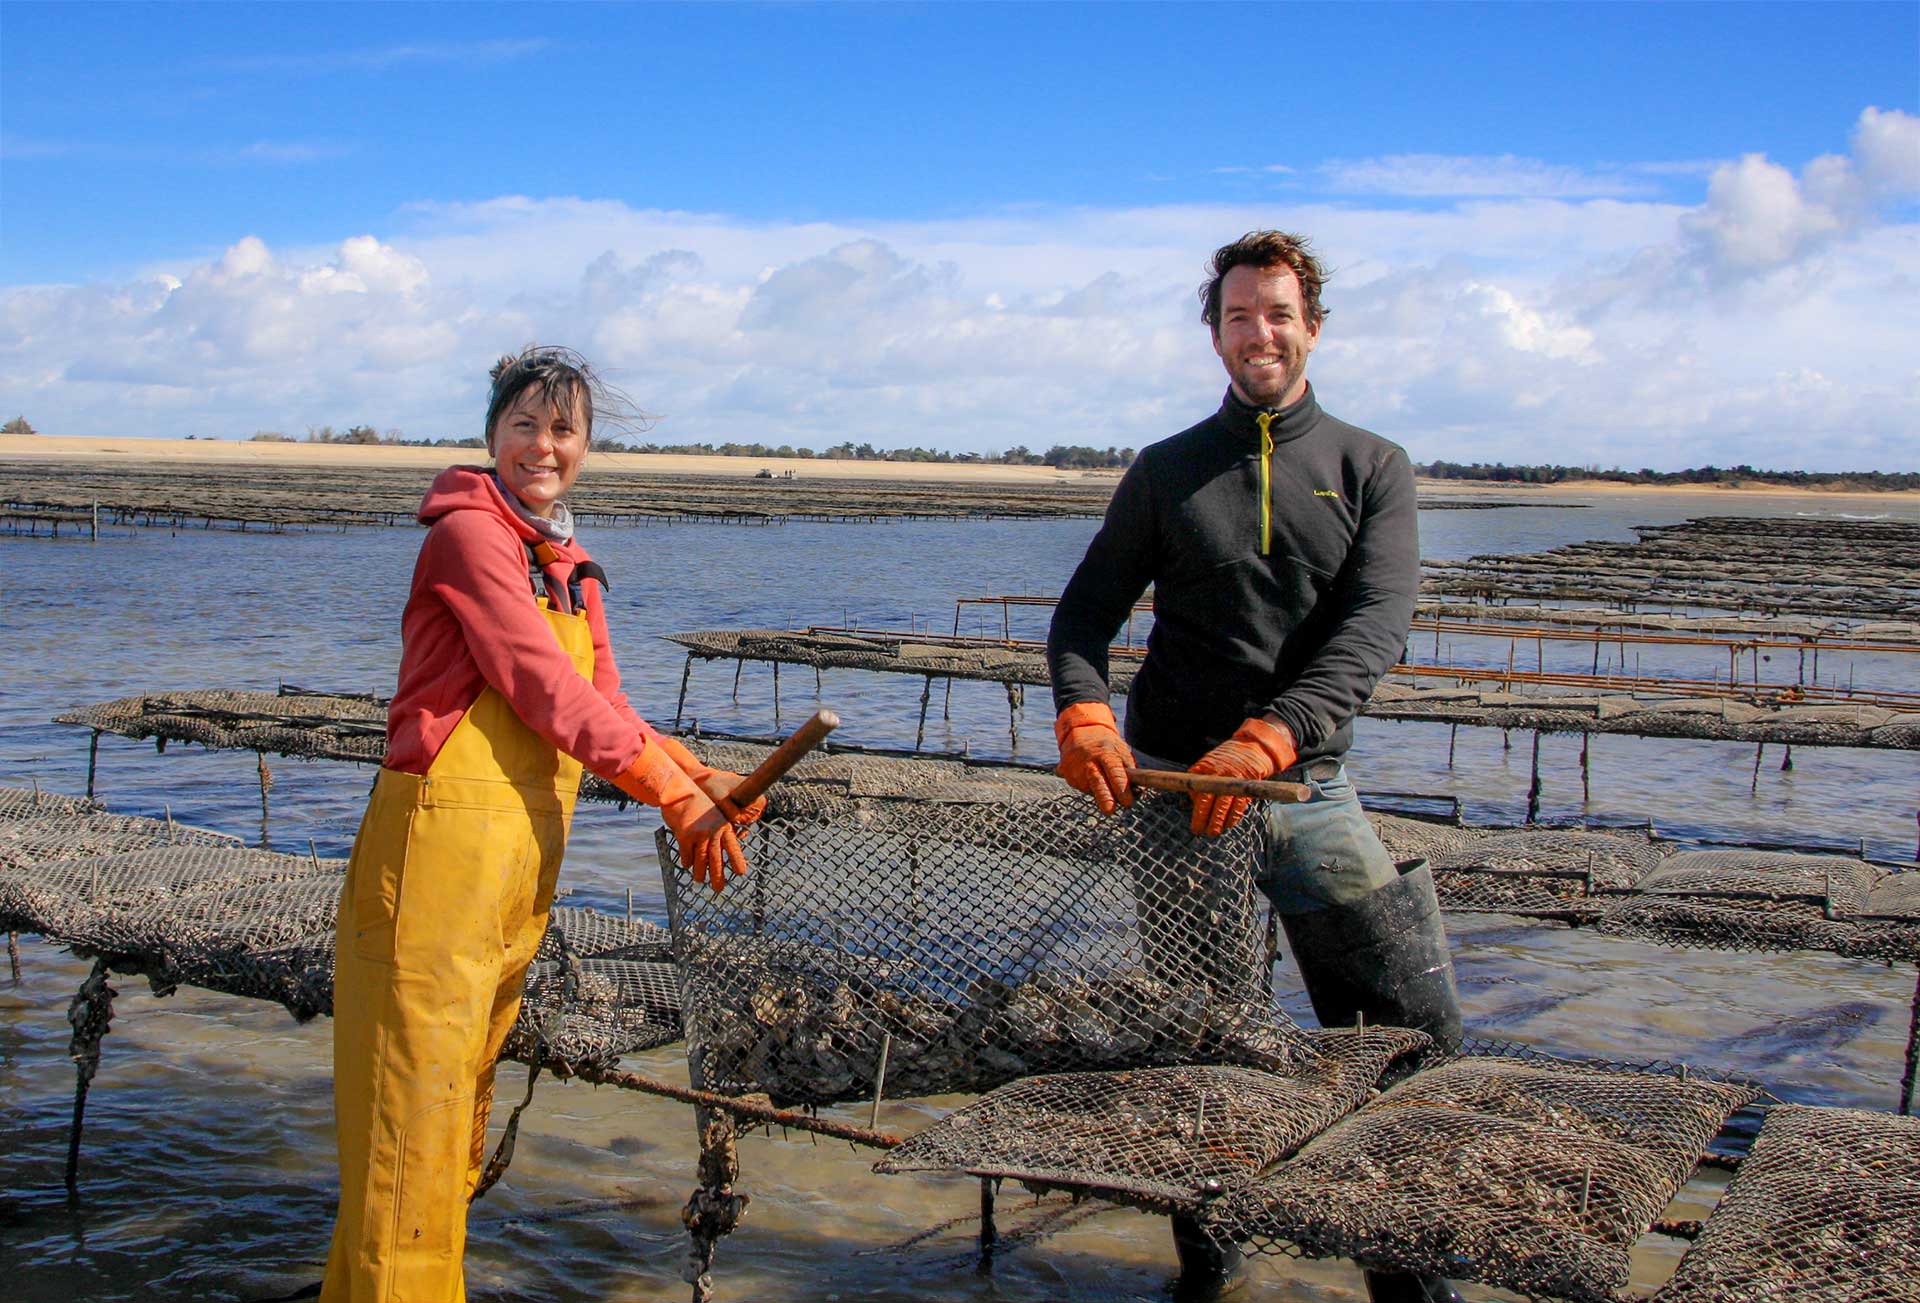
266	783
1913	1052
714	1209
681	706
1533	788
880	1079
90	1014
989	1232
926	699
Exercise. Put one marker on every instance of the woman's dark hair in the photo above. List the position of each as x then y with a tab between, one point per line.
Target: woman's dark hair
566	381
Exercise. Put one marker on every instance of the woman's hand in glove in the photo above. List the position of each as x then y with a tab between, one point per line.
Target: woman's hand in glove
708	845
716	783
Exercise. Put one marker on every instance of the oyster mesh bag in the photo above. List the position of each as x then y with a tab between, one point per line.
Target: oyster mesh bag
187	907
1826	1209
1759	900
1155	1136
1531	1174
1540	868
971	943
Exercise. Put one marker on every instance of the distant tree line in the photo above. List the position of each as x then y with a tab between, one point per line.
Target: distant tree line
364	434
1060	456
1743	474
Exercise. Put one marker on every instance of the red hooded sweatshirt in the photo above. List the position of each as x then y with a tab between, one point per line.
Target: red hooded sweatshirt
471	622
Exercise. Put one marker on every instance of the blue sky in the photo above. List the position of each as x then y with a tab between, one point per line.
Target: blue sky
971	225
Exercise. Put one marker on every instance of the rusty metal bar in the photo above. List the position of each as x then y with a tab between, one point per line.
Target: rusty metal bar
747	1109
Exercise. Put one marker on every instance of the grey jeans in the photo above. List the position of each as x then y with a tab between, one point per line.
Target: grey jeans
1322	852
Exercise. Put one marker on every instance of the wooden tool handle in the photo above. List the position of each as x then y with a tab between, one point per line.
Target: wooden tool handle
1175	780
784	757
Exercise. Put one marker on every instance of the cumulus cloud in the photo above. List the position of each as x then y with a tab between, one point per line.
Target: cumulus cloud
1759	216
1774	322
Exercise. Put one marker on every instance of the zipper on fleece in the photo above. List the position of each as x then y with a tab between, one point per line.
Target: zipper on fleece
1265	421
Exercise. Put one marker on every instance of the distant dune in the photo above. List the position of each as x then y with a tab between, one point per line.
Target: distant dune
17	447
75	448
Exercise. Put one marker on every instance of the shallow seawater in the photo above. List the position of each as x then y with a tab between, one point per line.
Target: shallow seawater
207	1159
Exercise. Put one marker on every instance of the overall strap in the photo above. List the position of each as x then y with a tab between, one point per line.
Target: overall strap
539	556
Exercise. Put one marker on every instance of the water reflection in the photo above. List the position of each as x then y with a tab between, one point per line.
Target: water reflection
207	1163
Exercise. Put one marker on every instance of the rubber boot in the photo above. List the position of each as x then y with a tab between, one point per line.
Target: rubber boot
1209	1269
1384	956
1409	1287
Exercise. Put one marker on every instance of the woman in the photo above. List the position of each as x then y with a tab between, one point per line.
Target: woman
507	688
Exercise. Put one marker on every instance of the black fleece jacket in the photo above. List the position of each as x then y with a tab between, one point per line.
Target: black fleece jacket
1304	629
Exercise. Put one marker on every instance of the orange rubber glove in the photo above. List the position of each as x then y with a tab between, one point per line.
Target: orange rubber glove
716	783
708	846
1093	758
1256	750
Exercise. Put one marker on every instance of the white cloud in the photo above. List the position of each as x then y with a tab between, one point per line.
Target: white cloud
1454	176
278	151
1887	145
382	58
1776	323
1759	216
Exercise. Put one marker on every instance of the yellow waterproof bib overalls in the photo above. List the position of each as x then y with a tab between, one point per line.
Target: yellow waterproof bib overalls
445	903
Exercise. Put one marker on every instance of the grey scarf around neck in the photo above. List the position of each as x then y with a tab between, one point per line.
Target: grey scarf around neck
557	528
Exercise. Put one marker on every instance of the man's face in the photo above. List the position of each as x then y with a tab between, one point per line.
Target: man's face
1264	337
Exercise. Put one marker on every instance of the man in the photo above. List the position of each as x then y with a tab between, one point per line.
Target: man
1283	552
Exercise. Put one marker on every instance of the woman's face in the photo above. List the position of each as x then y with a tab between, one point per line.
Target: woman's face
538	448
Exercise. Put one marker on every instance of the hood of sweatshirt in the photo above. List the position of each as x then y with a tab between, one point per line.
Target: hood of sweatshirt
471	488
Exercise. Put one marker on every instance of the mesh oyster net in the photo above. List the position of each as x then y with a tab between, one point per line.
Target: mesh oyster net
32	803
1764	900
1541	868
38	830
1531	1174
1153	1136
320	725
1629	883
1825	1209
186	907
968	944
1417	839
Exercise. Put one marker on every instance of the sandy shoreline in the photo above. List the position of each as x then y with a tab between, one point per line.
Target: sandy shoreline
39	447
356	456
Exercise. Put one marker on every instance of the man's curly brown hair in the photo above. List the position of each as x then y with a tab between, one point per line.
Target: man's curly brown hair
1266	249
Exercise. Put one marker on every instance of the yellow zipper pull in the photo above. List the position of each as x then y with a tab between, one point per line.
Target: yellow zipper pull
1265	421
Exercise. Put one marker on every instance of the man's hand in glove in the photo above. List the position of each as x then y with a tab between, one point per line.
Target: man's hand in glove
708	846
1093	758
1256	750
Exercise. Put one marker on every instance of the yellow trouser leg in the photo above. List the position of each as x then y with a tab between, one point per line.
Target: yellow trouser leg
436	894
523	943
